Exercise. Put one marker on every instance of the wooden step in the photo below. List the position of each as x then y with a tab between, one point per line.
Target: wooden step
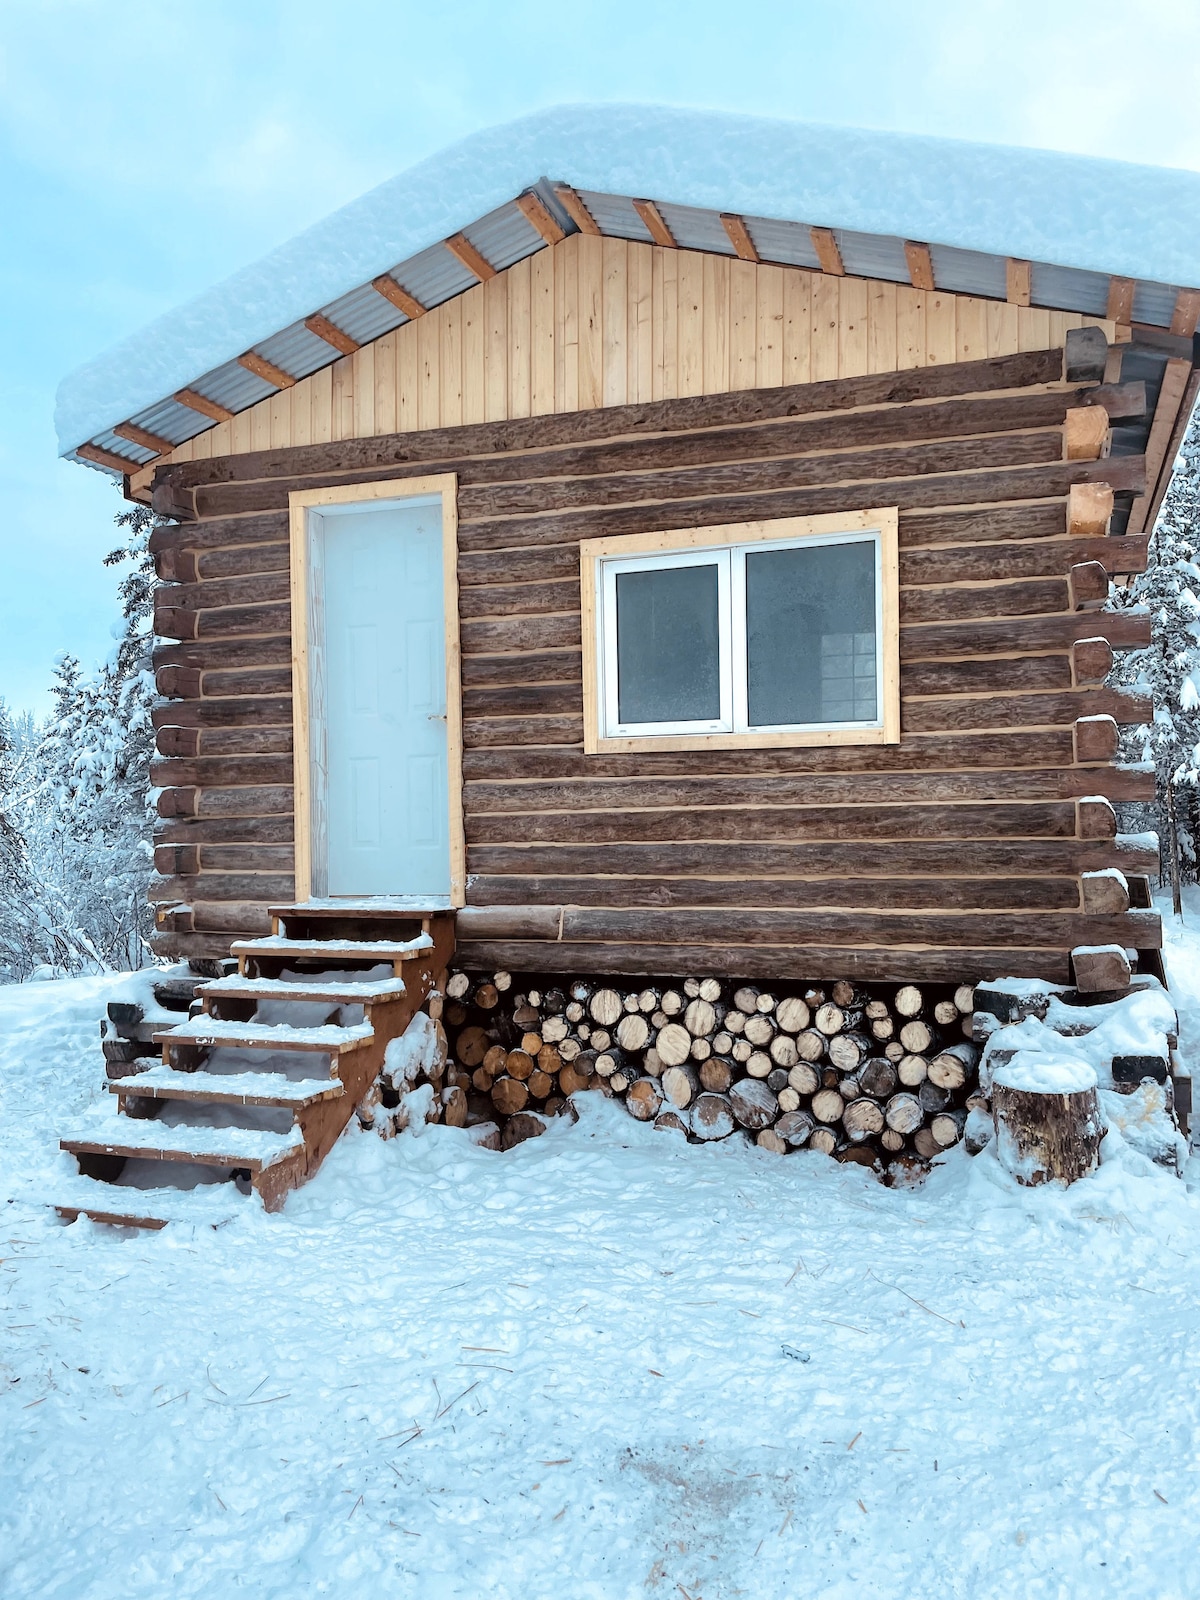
250	1148
395	905
117	1219
218	1033
229	1088
207	1205
338	991
276	946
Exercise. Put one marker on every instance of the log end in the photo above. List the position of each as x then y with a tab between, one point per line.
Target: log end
1100	967
1048	1120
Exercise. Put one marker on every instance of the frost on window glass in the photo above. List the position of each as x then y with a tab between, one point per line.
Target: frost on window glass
668	643
810	635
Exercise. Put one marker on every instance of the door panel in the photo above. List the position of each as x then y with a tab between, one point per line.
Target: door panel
385	794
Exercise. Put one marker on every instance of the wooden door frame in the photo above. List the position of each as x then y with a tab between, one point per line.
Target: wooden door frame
307	602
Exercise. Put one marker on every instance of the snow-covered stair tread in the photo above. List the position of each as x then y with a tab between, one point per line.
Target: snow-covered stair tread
265	1035
339	990
276	944
208	1204
229	1088
221	1147
415	905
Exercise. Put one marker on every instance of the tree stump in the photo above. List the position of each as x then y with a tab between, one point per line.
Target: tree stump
1048	1121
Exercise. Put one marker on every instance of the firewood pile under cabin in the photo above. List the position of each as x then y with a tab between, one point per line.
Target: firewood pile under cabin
862	1074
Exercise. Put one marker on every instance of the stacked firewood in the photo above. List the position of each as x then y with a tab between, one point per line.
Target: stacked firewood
865	1073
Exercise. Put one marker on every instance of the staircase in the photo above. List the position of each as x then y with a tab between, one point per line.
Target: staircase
253	1090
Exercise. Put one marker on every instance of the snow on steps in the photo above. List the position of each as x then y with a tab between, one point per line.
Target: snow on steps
229	1088
218	1031
321	1108
207	1205
317	949
339	990
105	1134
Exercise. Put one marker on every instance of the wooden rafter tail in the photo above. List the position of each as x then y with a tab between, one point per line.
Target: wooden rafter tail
828	253
1018	281
206	407
1120	301
920	264
107	458
535	213
399	296
739	236
266	370
461	248
331	333
572	204
141	436
656	223
1186	313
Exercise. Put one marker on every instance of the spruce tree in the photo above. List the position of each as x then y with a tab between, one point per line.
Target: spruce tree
79	796
1169	668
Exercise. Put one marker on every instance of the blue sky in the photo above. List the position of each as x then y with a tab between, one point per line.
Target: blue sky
148	148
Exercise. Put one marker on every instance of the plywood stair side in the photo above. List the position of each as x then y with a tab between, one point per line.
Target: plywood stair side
274	969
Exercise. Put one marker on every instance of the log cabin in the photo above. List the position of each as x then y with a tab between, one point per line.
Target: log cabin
669	542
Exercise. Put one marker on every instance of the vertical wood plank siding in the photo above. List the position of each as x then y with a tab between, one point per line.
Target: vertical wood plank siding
594	321
955	854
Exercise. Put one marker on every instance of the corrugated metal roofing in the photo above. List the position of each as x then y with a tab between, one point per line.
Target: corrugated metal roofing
969	272
434	275
364	314
866	255
1154	303
975	205
171	420
297	351
1068	286
615	216
113	443
694	229
505	236
233	387
789	243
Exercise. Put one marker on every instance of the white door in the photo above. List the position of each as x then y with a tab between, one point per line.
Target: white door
380	736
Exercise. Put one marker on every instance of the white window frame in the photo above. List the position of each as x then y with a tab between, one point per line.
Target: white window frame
610	570
726	546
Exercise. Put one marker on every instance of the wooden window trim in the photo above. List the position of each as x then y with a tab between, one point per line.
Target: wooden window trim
883	521
300	503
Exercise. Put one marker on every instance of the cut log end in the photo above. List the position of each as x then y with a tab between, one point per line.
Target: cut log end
1046	1137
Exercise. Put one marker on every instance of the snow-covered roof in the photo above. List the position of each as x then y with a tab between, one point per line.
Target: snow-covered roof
1078	220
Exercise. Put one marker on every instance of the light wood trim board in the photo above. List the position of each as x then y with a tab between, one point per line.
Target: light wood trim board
300	503
884	520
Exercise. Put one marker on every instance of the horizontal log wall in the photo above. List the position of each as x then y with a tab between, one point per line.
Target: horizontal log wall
598	322
955	854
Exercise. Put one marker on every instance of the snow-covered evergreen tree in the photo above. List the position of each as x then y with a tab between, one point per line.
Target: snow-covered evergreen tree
1170	668
78	796
14	875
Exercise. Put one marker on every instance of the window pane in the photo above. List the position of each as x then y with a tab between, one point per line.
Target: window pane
810	634
668	665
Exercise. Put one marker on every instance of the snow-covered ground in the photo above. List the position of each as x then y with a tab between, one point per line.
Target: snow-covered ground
445	1372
